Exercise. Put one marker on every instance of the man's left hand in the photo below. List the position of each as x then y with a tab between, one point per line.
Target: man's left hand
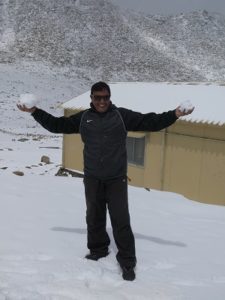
182	112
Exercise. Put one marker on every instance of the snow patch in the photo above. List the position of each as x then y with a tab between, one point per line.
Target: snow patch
7	39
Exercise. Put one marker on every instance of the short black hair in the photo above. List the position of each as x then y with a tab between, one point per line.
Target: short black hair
100	86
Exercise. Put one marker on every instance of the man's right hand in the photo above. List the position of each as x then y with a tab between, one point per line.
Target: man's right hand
23	107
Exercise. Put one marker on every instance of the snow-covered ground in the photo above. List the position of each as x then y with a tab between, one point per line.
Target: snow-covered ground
49	86
180	243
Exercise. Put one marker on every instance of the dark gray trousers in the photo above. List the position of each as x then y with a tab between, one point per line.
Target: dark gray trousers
111	194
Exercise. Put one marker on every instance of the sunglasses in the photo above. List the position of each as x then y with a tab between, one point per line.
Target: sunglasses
99	98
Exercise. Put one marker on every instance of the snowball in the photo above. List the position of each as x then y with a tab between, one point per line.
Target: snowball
186	106
29	100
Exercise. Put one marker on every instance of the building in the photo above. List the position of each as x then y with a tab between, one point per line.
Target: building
186	158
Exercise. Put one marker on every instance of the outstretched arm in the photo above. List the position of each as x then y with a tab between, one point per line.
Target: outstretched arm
135	121
54	124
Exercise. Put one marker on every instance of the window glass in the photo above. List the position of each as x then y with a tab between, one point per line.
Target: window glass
136	150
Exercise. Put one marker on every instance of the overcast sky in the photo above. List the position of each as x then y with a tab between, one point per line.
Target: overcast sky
172	6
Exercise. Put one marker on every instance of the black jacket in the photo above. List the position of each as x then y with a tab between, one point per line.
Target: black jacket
104	135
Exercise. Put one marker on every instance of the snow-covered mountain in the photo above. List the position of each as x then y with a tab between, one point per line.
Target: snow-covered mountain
94	39
196	40
180	243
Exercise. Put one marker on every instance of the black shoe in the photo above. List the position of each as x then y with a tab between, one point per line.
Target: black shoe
128	273
96	256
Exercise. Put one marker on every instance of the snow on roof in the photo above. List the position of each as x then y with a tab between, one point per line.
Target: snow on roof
208	99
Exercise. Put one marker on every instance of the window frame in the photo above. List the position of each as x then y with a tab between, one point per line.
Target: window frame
131	152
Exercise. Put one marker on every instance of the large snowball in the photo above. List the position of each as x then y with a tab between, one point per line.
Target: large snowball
186	106
29	100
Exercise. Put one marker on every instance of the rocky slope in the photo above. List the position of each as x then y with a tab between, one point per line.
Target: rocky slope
93	39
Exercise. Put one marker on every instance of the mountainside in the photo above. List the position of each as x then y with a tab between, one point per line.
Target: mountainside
197	40
93	39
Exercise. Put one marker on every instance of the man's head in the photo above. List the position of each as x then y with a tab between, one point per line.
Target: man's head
100	96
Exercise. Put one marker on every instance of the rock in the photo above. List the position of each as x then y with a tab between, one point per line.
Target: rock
62	172
45	159
67	172
22	140
18	173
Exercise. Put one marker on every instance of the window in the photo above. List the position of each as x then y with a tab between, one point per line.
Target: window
136	150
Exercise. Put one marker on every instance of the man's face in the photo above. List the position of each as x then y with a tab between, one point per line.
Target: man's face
101	100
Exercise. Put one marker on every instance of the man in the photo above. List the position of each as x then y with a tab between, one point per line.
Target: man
103	128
